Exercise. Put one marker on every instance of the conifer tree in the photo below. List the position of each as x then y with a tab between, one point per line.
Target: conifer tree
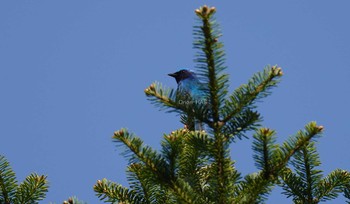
31	190
196	167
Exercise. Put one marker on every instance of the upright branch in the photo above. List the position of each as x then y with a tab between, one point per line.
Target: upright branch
210	59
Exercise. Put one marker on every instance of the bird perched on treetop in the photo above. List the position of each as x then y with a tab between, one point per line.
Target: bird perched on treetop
189	85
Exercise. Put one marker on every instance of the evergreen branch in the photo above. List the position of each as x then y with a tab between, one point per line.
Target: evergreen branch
329	187
295	143
223	179
254	189
304	162
142	182
152	192
272	160
165	195
194	159
147	186
210	58
172	147
8	183
347	192
167	98
32	189
219	163
197	169
186	193
238	125
162	97
293	186
193	174
258	87
302	184
309	179
154	161
111	192
223	170
264	150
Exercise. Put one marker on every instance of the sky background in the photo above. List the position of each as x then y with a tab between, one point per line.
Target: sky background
73	72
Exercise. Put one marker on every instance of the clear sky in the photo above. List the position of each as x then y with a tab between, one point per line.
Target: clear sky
73	72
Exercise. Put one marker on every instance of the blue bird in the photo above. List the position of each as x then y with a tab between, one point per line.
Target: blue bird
190	88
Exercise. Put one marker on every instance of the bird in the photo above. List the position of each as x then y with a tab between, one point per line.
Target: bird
191	90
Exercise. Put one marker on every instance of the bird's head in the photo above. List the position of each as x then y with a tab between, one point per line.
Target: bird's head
182	74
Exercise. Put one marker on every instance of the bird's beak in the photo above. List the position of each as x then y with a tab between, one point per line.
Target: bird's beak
172	75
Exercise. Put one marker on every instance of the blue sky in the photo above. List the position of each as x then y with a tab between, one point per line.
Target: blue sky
73	72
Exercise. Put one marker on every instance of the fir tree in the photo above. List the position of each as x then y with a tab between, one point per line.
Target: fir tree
195	166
